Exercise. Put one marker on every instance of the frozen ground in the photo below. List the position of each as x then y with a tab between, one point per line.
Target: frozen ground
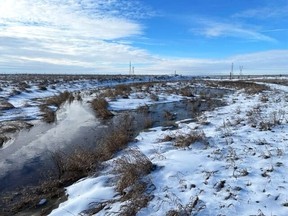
237	168
76	123
23	92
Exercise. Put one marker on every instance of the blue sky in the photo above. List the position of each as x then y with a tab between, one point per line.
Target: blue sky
196	37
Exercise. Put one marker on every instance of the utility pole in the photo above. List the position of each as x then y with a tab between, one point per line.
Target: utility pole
241	69
231	73
133	70
130	71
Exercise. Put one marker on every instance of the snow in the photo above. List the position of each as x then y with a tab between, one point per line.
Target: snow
136	101
241	170
83	193
28	97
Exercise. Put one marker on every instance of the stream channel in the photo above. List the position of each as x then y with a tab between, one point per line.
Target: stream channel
26	160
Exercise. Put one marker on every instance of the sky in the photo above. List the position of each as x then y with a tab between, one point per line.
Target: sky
189	37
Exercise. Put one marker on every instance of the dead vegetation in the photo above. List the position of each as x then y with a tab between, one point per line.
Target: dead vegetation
100	106
48	115
30	198
71	166
186	140
51	104
10	127
117	136
3	139
132	168
186	91
248	86
60	99
5	105
121	91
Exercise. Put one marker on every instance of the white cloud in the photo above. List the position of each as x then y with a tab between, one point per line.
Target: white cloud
76	33
213	29
265	12
96	37
39	18
269	62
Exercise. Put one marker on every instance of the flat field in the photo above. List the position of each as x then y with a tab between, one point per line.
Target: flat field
143	145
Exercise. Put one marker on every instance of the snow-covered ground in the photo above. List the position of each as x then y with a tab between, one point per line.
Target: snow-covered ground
237	168
23	94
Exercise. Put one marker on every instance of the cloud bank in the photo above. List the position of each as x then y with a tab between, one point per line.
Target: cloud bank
54	36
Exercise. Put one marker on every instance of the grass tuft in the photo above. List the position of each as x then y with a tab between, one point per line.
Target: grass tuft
100	106
186	140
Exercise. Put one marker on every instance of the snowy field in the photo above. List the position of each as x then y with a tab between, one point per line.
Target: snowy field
20	94
226	161
236	165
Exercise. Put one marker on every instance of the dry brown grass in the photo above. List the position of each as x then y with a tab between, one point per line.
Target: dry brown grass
169	116
100	106
69	167
167	138
119	91
3	139
122	90
186	140
144	109
13	126
248	86
154	97
148	122
31	196
5	105
132	169
72	166
48	115
116	138
186	91
59	99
